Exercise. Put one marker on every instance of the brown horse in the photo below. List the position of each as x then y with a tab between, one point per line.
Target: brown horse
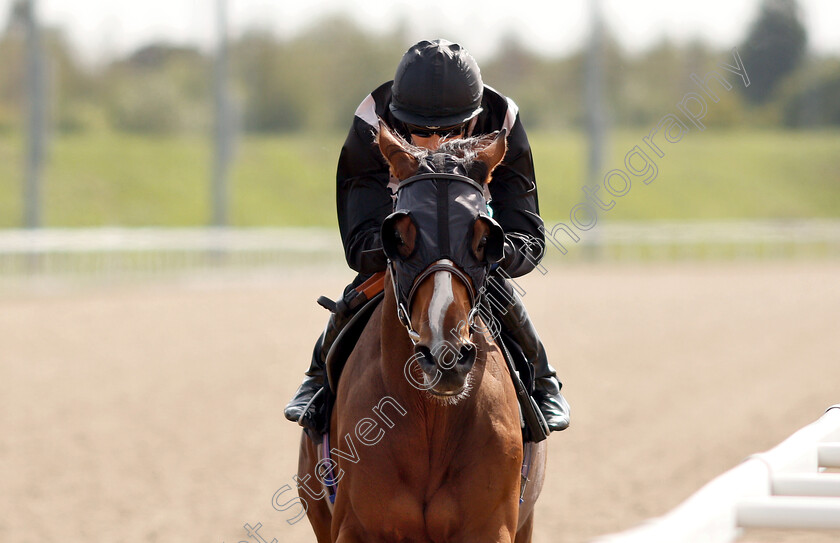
426	437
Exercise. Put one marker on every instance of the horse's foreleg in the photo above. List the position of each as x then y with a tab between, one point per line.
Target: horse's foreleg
525	532
317	510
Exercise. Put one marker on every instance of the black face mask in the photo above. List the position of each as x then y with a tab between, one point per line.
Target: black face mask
443	208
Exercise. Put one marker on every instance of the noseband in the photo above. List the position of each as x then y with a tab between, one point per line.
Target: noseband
402	309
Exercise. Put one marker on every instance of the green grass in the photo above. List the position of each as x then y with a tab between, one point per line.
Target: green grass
708	175
286	180
117	179
11	175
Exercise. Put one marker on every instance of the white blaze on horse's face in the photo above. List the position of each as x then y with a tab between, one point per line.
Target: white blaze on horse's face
442	298
440	308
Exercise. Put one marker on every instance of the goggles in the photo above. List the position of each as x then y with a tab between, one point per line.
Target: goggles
429	131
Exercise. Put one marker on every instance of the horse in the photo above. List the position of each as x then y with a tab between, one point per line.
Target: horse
426	391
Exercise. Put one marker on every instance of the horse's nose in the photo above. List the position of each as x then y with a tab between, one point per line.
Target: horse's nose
425	359
445	367
466	359
446	358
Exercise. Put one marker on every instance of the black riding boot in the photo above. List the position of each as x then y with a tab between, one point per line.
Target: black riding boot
307	407
517	323
301	404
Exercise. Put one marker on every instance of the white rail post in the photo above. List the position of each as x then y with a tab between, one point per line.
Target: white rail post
781	488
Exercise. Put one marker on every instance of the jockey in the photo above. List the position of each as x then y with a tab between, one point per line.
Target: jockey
438	92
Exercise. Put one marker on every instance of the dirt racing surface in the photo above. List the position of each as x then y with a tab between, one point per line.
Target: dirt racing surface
154	412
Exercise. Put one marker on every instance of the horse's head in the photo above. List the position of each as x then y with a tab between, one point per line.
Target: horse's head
441	243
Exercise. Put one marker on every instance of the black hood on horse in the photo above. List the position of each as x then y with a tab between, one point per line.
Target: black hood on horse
443	208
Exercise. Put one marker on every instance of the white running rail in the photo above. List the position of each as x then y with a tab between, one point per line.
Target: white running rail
118	252
782	488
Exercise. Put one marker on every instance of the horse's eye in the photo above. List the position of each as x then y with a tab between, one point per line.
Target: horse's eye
398	238
482	242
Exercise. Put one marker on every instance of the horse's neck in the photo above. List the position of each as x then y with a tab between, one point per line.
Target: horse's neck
394	341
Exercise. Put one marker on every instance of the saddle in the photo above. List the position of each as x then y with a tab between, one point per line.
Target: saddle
353	310
348	337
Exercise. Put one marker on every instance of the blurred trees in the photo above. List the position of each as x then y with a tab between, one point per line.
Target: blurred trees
159	89
315	80
812	96
639	89
773	47
71	86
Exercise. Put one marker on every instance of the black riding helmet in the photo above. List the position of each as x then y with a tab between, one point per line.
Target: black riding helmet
437	83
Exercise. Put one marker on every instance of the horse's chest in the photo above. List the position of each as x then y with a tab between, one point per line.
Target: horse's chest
435	503
412	515
445	515
463	499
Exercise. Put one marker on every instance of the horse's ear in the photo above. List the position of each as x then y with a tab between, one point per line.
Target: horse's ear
494	152
394	149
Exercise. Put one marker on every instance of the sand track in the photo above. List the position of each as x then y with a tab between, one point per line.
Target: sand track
154	413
